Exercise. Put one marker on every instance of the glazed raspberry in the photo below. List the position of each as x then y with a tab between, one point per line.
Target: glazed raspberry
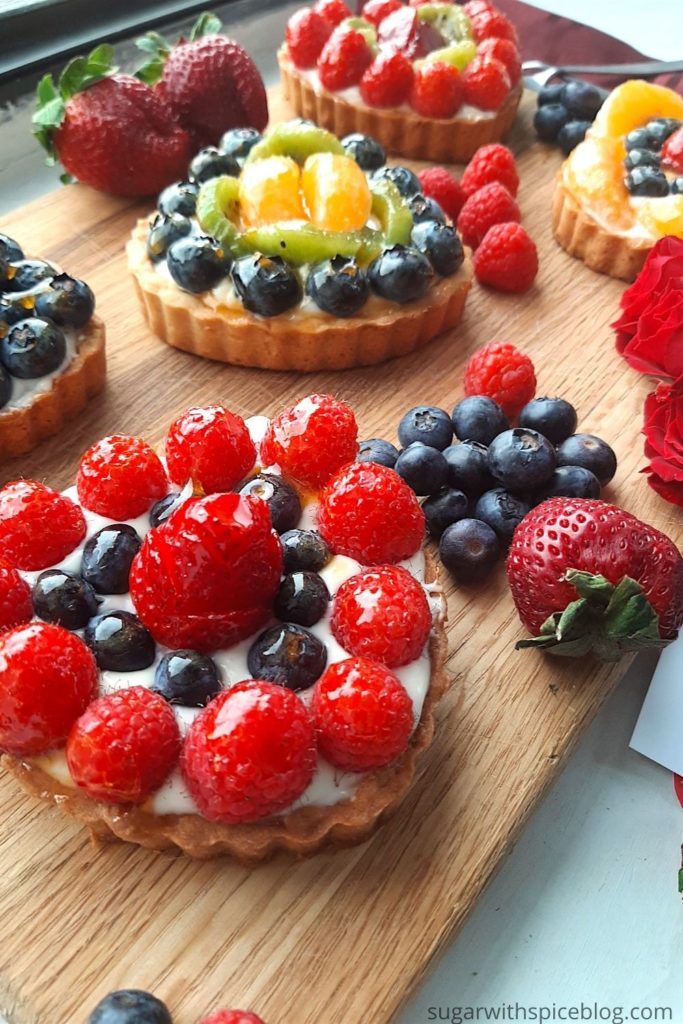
249	753
120	477
387	81
15	597
382	614
505	51
38	526
491	163
501	372
375	11
333	11
306	34
487	83
311	440
440	185
124	746
49	677
207	577
232	1017
344	58
211	447
492	24
672	151
437	90
369	513
507	258
362	713
490	205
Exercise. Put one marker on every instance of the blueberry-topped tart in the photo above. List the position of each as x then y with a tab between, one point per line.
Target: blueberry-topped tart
52	356
298	251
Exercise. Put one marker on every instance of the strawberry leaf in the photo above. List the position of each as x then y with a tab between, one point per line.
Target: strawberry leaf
207	24
67	179
158	49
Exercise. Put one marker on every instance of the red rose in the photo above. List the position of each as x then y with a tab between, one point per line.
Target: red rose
649	328
663	429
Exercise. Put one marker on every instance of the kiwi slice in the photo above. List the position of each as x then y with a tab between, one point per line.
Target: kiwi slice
457	54
450	20
217	205
392	211
364	27
295	139
301	243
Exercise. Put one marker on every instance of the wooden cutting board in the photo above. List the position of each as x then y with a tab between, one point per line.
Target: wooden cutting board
345	937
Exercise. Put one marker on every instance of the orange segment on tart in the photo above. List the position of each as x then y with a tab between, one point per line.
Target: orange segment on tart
632	105
336	192
269	191
595	173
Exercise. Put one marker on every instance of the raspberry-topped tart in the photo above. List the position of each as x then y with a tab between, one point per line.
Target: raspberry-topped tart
295	251
52	356
235	649
434	81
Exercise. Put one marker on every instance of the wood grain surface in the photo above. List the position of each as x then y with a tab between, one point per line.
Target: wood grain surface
344	937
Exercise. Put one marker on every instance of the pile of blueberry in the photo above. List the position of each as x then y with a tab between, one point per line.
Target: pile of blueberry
566	110
478	489
644	176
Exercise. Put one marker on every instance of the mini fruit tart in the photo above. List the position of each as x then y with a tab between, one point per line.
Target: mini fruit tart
52	358
621	189
433	81
295	251
233	650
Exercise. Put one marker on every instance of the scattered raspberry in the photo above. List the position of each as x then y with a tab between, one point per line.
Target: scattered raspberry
311	440
672	151
49	677
16	605
38	526
124	746
440	185
211	447
491	163
306	34
207	577
344	58
507	258
369	513
388	80
505	51
333	11
120	477
492	204
501	372
375	11
487	83
232	1017
249	753
437	90
492	24
363	715
382	614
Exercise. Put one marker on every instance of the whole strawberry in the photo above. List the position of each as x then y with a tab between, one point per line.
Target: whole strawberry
588	576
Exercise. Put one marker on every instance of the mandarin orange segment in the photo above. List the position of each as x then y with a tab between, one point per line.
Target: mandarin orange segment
634	103
269	192
336	192
663	215
595	172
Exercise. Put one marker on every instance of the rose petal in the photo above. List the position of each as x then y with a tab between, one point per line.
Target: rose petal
672	492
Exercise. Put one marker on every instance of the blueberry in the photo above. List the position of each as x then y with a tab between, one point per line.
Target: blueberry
405	180
304	551
423	468
338	286
444	508
10	251
162	509
478	418
676	186
571	134
302	597
553	417
582	99
288	655
571	482
187	678
425	209
441	244
549	119
502	511
119	642
641	158
6	387
239	142
550	93
400	274
164	231
647	181
522	459
68	302
13	310
33	348
26	274
64	599
266	285
661	128
282	500
378	450
181	197
366	151
108	556
197	264
130	1006
469	549
211	163
640	138
428	424
590	452
468	468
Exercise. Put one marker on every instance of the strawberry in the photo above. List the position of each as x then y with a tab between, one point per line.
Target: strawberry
15	597
672	151
232	1017
311	440
210	446
110	131
387	81
306	34
120	477
588	576
437	90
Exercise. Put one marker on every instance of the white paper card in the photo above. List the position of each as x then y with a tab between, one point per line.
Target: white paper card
659	730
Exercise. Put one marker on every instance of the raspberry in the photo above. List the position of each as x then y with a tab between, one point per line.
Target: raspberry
501	372
211	447
344	58
375	11
491	163
363	715
672	151
49	677
490	205
38	526
475	7
333	11
440	185
232	1017
16	605
505	51
124	746
437	90
486	82
306	34
369	513
206	578
250	753
311	440
382	614
492	24
507	258
387	81
120	477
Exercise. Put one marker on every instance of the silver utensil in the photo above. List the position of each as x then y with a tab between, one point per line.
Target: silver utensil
537	73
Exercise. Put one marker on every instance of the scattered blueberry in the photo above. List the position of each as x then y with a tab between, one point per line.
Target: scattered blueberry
266	285
282	500
33	348
108	556
582	99
366	151
590	452
478	418
401	274
119	642
164	231
64	599
162	509
444	508
6	386
469	549
468	468
423	468
641	158
549	119
522	459
197	264
428	424
647	181
187	678
571	134
211	163
403	178
338	286
502	511
425	209
441	244
302	597
130	1006
551	93
288	655
68	302
378	450
304	551
26	274
571	482
181	197
239	142
555	418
